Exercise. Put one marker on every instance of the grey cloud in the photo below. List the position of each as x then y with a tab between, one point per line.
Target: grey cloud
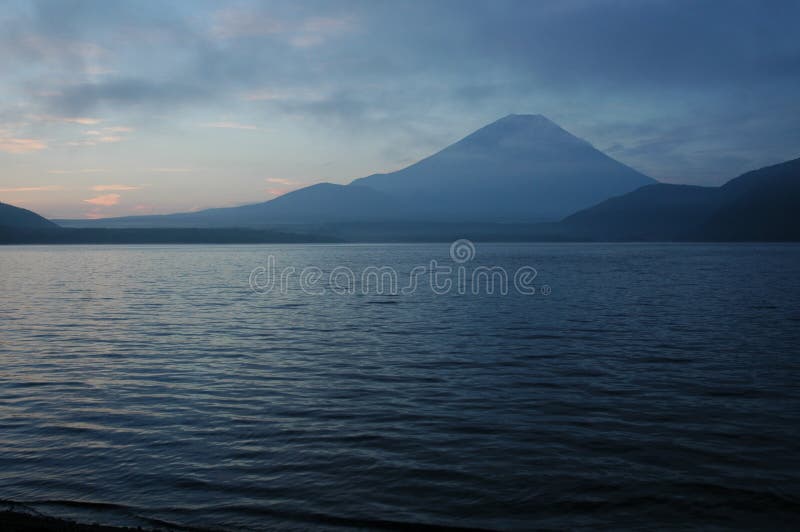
125	92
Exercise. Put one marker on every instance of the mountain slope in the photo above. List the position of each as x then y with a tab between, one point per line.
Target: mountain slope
323	202
320	203
18	218
653	212
519	168
759	205
762	205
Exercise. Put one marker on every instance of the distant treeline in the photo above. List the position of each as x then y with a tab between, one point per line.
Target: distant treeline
399	232
154	236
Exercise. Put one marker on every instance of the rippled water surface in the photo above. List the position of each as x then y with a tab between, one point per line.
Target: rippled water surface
656	384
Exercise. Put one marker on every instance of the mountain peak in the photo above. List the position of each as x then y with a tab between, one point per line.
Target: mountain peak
517	122
523	130
530	118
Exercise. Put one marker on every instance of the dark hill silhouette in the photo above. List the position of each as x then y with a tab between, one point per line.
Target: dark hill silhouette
519	169
759	205
18	218
654	212
762	205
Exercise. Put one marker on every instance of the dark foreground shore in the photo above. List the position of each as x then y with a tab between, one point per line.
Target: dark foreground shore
25	522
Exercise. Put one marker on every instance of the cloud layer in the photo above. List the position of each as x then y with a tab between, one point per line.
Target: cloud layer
211	97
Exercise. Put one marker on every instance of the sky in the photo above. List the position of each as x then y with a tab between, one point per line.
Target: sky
144	106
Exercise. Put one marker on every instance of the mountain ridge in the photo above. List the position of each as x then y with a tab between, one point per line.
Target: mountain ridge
760	205
19	218
520	168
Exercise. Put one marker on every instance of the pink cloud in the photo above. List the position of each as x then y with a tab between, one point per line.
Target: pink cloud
104	135
82	120
284	185
144	208
108	130
280	181
106	200
105	188
17	146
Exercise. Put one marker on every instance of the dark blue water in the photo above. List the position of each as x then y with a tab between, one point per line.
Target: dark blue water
656	385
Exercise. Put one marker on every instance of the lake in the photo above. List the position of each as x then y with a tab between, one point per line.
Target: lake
336	386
